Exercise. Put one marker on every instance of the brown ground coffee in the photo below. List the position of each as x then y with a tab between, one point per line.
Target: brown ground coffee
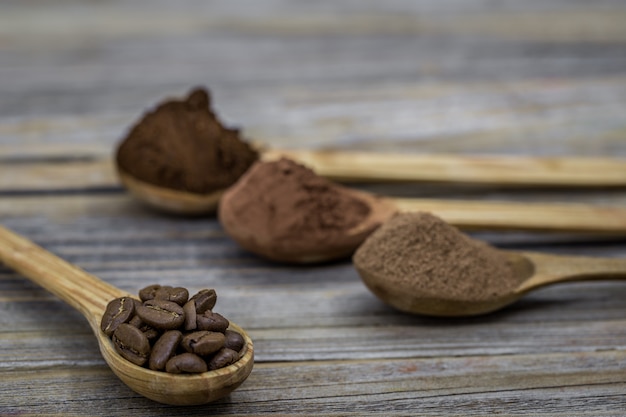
281	207
419	253
183	146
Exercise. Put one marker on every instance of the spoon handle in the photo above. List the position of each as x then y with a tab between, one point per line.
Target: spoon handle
81	290
495	170
552	269
496	215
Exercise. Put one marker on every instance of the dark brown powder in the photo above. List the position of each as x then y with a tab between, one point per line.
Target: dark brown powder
419	253
183	146
280	208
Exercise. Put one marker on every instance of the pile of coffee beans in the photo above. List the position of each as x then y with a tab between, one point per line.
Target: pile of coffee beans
165	330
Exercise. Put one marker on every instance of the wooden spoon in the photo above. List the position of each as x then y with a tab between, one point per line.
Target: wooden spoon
535	270
89	295
169	200
466	215
369	166
505	170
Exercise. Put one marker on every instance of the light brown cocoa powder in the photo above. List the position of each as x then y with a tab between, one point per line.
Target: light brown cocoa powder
282	207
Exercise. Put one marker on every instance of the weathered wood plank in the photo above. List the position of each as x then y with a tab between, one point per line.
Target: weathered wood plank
60	175
68	342
532	78
475	385
451	81
565	116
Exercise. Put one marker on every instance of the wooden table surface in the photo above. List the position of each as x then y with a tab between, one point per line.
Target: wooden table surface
469	77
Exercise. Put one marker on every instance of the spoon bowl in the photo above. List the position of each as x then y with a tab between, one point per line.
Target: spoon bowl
307	250
90	296
534	270
179	389
169	200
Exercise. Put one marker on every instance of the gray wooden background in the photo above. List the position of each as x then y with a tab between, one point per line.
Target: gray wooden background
473	76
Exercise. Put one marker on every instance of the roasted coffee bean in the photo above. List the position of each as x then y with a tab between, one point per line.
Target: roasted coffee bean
222	358
155	333
178	295
151	333
148	292
211	321
187	363
161	314
205	300
131	343
203	342
234	340
164	348
118	311
190	315
136	322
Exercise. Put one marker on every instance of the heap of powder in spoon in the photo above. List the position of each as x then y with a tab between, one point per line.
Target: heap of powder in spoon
182	145
279	209
420	255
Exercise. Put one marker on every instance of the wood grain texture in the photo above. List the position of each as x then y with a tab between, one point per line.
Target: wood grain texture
441	168
533	78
